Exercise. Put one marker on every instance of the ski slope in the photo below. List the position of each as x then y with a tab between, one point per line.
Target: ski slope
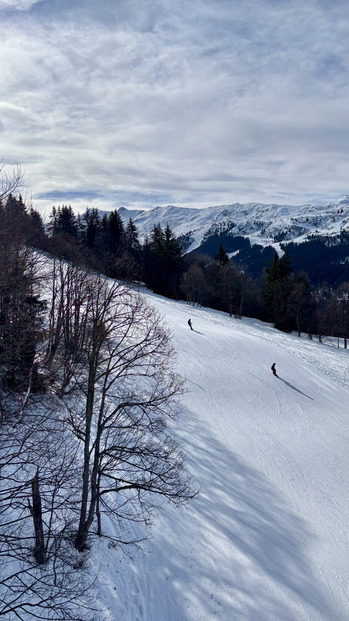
266	538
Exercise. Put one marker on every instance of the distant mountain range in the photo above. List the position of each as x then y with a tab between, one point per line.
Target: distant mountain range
315	235
265	225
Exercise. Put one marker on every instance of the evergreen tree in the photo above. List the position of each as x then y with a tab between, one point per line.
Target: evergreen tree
14	217
157	241
172	251
221	257
64	222
129	266
153	258
116	233
277	290
103	241
163	262
36	230
91	228
132	244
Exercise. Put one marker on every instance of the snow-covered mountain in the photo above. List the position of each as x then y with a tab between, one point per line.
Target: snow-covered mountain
266	538
262	224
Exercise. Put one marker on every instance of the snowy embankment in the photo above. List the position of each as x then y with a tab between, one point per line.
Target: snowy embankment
266	537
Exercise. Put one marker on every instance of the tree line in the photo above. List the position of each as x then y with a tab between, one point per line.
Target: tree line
278	294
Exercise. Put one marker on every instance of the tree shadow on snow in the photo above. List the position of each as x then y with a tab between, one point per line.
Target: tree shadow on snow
236	550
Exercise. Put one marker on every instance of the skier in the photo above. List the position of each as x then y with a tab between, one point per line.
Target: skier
273	369
189	324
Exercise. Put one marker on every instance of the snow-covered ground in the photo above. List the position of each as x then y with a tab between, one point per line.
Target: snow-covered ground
266	539
261	224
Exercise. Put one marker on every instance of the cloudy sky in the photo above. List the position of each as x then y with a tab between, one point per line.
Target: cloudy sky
137	103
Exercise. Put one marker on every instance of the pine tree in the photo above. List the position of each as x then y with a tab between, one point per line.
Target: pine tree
63	221
132	244
221	256
163	262
277	290
36	230
91	228
129	266
116	233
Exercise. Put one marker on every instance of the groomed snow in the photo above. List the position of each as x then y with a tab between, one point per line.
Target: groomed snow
266	539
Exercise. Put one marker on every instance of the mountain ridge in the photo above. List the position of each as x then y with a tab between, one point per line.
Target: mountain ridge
263	224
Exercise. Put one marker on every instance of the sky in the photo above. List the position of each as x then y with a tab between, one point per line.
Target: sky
110	103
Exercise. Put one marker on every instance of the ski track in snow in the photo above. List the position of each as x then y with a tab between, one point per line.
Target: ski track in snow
266	537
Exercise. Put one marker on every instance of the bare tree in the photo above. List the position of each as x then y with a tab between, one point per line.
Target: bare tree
123	368
68	293
39	458
339	313
130	392
110	361
10	181
194	284
301	304
20	312
229	286
40	575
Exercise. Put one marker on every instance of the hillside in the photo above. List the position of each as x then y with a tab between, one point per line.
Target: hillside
261	224
316	237
266	537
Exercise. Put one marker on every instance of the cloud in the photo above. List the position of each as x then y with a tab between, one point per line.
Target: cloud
193	103
20	5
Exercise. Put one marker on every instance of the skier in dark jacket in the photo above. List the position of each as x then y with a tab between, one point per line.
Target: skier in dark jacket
189	324
273	369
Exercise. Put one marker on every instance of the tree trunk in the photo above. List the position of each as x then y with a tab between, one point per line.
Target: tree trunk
82	533
98	509
95	475
36	511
